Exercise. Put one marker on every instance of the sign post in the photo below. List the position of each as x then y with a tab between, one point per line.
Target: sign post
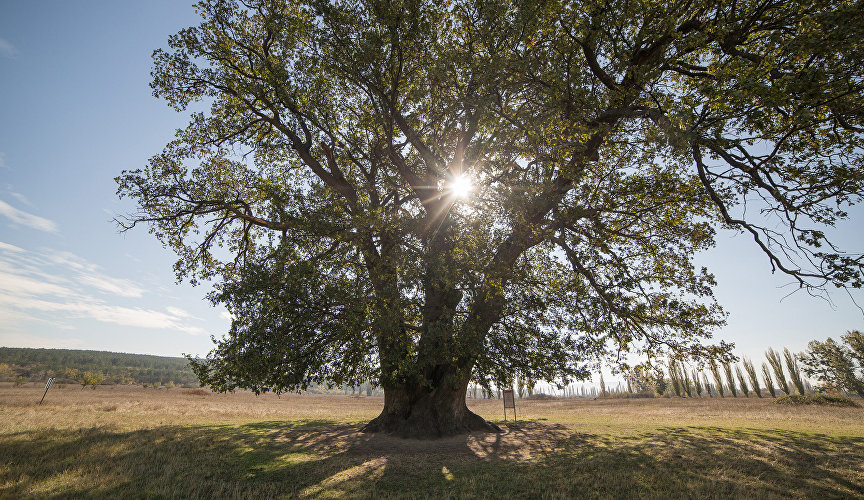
509	402
47	386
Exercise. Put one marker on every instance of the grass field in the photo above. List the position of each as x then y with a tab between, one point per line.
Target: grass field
135	442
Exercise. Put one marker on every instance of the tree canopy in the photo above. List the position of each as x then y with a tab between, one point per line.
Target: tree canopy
838	367
323	179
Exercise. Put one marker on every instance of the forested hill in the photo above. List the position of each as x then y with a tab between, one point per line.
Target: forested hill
24	364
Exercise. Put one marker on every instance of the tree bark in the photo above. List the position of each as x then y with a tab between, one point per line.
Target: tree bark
428	400
422	412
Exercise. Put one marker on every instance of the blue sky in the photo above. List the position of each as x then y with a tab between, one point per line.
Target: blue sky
76	110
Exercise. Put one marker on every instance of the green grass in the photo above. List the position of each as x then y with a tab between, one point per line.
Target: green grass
608	449
271	459
816	399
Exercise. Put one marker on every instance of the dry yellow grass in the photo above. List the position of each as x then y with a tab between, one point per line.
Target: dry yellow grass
122	441
134	407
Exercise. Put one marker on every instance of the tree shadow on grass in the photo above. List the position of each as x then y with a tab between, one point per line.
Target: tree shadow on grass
717	462
323	459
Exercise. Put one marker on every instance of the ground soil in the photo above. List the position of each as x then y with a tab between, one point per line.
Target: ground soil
335	421
118	442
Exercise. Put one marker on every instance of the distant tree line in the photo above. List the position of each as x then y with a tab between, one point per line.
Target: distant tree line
837	368
90	368
33	365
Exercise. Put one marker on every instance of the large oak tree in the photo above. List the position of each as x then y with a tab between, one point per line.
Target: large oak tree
322	182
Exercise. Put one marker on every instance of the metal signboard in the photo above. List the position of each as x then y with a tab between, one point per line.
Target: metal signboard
47	386
509	402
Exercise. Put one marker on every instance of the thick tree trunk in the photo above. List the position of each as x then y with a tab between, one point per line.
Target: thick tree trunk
424	413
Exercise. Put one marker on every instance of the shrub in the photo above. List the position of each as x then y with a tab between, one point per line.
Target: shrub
6	372
631	395
195	392
90	378
539	396
816	399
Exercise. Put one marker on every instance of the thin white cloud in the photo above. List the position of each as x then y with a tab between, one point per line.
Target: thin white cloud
21	198
133	258
7	49
91	275
11	320
142	318
57	287
13	283
26	219
6	247
116	286
180	313
32	265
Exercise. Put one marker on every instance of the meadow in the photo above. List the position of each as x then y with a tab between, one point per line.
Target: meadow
128	441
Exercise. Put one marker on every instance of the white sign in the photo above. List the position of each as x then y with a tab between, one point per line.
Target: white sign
47	386
509	402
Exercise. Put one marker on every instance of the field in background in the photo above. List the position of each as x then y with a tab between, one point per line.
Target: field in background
117	441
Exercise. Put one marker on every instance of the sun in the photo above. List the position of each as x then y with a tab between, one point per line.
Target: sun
461	186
